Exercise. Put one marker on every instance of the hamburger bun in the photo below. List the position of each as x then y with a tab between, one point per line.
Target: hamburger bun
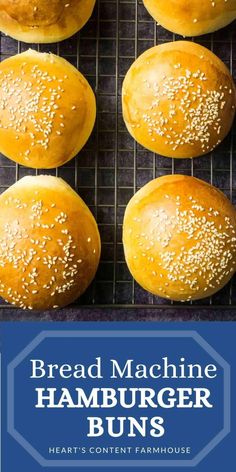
179	238
192	17
49	244
178	100
47	110
43	21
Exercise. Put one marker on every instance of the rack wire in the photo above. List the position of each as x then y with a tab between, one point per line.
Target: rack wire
112	167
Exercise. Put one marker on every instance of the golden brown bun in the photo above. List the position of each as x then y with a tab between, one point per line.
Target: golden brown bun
47	110
192	17
43	21
49	244
179	238
178	100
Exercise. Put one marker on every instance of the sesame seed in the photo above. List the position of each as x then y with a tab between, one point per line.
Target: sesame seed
210	251
23	102
189	98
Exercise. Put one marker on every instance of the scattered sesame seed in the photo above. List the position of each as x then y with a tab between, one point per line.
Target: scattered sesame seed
59	257
190	99
203	262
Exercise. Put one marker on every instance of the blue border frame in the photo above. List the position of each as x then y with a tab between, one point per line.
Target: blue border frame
118	463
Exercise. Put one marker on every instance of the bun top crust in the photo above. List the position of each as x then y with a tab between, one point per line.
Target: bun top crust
49	244
47	109
43	20
180	238
178	100
34	12
194	17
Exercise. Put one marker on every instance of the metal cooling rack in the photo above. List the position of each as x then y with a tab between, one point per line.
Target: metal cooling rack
112	166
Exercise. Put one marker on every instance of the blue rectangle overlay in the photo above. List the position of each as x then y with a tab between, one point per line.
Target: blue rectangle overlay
120	395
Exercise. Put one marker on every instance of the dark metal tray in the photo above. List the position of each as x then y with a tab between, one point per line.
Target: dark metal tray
112	166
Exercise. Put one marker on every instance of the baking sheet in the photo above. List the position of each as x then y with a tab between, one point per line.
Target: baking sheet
112	166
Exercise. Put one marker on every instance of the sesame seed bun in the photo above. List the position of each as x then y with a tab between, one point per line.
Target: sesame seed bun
179	238
43	21
47	110
192	18
178	100
49	244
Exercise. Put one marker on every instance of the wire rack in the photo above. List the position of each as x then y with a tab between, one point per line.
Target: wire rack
112	166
